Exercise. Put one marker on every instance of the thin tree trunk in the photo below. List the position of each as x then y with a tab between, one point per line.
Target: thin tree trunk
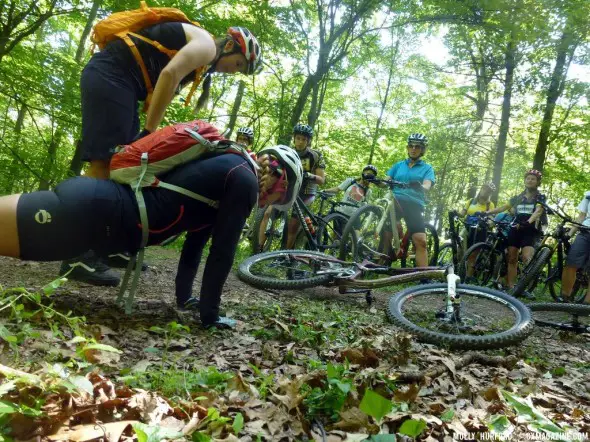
505	118
565	51
384	102
236	107
87	29
76	163
14	165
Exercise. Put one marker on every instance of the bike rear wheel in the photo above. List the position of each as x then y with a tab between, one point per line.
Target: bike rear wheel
484	319
568	317
287	269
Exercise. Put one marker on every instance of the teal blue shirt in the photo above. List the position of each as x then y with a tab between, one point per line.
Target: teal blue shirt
419	172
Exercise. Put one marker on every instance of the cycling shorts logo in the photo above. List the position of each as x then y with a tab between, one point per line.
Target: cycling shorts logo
43	217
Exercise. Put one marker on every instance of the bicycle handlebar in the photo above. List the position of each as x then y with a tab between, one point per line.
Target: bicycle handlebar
390	183
565	218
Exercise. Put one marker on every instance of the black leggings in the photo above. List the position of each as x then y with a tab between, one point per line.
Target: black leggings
81	214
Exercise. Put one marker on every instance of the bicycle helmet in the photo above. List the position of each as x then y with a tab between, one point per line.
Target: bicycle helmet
535	172
372	168
490	185
289	159
248	45
303	129
418	138
247	132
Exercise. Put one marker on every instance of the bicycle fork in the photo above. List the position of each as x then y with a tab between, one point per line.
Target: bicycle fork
452	308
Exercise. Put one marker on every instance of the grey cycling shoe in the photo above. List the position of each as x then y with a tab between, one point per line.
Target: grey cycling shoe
89	268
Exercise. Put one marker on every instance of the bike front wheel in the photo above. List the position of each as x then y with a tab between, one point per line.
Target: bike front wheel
288	269
483	319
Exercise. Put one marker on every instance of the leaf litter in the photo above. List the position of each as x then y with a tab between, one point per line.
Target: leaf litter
299	368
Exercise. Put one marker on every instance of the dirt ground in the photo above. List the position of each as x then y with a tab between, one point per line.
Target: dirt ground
287	336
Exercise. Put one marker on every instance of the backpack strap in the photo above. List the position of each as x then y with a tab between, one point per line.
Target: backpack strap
186	192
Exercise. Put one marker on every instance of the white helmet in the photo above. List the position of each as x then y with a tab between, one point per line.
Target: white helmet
247	132
290	161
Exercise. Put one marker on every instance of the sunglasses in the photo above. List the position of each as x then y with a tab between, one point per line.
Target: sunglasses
414	146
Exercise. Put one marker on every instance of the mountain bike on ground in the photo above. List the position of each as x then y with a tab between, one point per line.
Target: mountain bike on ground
363	235
449	314
566	317
319	231
549	260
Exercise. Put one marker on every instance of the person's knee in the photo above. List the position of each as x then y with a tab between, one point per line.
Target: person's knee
419	240
512	255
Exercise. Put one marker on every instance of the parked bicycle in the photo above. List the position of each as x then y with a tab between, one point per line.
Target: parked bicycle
363	235
319	231
450	314
486	262
546	265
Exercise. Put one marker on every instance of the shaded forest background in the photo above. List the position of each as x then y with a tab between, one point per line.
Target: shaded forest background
509	97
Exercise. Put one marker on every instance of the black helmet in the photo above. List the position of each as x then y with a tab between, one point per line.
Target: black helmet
418	138
371	167
303	129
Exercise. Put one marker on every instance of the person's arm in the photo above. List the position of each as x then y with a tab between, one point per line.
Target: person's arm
189	263
334	190
536	215
199	51
318	176
573	229
234	209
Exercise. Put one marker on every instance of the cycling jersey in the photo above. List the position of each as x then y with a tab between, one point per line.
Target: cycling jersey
584	207
311	160
473	206
419	172
524	207
354	193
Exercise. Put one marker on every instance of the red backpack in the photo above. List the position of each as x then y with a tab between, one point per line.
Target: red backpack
140	163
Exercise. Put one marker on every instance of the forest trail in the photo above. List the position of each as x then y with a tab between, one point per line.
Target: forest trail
283	370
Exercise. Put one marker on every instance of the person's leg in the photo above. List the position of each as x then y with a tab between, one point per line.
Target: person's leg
527	254
512	266
419	240
568	279
9	242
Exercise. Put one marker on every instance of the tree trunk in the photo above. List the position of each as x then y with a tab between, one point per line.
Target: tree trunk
87	29
565	52
46	172
76	163
505	118
307	88
14	165
236	107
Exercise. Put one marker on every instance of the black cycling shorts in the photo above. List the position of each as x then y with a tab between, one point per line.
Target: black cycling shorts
81	214
523	236
579	254
413	215
109	107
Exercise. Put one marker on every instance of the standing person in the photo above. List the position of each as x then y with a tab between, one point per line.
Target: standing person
356	190
411	201
245	136
89	213
313	174
530	216
122	74
313	167
476	233
579	254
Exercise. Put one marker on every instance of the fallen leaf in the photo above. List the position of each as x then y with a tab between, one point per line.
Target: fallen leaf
111	432
352	419
408	395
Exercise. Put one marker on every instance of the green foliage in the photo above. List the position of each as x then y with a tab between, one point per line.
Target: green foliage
412	427
329	399
375	405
